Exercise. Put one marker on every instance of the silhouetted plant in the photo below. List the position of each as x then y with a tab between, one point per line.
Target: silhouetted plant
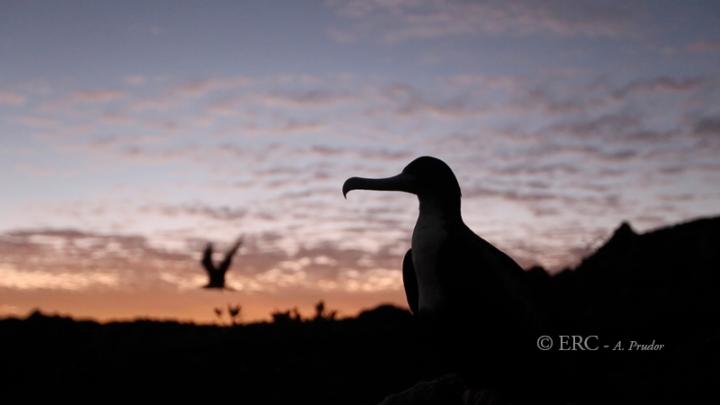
320	310
322	314
288	316
234	313
219	313
295	315
281	316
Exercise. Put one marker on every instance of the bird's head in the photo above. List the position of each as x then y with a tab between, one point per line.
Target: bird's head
427	177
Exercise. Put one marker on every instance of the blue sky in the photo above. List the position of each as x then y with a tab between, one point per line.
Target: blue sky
132	133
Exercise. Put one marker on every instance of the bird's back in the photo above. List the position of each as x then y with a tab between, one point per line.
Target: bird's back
478	276
489	325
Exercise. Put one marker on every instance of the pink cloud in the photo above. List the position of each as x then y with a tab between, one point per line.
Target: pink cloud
94	96
197	88
11	98
704	46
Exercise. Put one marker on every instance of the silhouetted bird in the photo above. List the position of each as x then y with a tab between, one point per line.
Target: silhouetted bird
473	297
216	274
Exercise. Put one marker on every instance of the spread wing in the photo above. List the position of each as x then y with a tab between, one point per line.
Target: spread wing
225	264
410	282
207	261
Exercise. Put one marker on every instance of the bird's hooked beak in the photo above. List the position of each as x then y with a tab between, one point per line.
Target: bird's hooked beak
401	182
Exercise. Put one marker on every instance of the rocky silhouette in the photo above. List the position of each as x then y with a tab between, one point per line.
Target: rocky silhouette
216	272
651	300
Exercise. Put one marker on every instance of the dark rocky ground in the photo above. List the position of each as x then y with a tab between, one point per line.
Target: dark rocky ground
353	361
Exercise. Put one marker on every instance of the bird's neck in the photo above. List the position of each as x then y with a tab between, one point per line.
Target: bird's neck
445	210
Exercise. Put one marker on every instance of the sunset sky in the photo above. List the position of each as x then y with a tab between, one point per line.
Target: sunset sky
131	133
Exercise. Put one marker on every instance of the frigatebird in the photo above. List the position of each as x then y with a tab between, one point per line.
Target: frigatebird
216	273
473	298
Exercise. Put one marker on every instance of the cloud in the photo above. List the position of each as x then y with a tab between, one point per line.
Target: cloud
37	121
74	102
485	82
94	96
90	261
180	92
606	125
659	84
39	280
566	96
135	80
704	46
550	150
11	98
397	21
708	126
307	98
566	201
75	260
219	213
69	259
203	87
409	101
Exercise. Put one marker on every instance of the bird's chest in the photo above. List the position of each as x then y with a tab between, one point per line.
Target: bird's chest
428	238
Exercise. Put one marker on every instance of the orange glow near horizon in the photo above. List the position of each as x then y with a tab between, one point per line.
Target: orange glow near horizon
187	306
